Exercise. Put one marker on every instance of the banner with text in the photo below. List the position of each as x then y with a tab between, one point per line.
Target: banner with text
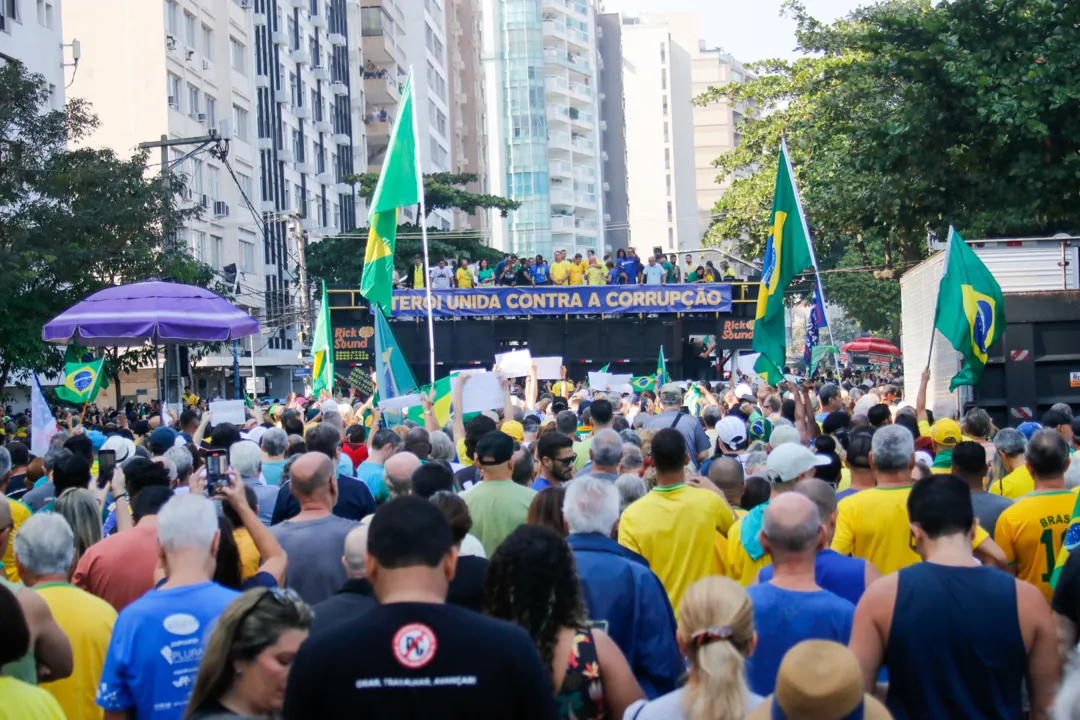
573	300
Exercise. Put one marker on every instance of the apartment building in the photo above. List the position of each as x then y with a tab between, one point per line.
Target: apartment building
30	33
543	123
468	109
616	226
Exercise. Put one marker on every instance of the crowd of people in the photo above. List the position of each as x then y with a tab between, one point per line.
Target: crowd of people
625	268
812	550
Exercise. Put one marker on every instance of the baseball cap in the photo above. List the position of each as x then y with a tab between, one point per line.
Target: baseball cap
97	438
819	679
784	435
946	432
163	436
858	449
791	460
495	448
732	432
123	447
759	427
558	404
744	392
1029	428
514	429
255	435
671	393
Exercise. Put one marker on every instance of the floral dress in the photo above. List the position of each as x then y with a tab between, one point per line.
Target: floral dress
581	696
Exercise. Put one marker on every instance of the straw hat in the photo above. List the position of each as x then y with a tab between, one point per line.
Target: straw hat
819	680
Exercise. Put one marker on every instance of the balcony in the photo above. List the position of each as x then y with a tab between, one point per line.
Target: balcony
556	86
380	89
342	139
262	81
562	224
285	155
584	224
280	38
577	37
301	57
554	29
282	96
560	168
586	147
336	39
581	91
326	178
301	112
561	196
339	88
378	127
304	168
258	19
381	49
323	126
320	73
585	200
318	21
559	141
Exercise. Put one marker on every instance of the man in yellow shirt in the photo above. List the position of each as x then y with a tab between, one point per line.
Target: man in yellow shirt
1031	530
560	269
1010	444
674	526
577	270
464	274
43	551
873	524
595	273
786	465
189	398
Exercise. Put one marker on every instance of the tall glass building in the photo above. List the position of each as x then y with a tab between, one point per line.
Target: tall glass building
542	64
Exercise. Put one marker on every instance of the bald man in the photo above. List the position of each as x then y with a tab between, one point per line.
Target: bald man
50	656
314	540
398	472
792	607
418	442
356	596
727	474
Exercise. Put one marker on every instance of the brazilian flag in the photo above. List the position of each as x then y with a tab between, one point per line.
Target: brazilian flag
399	186
1069	542
787	253
644	382
443	406
970	310
82	380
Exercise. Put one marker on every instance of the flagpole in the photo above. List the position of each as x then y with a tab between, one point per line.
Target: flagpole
423	237
937	300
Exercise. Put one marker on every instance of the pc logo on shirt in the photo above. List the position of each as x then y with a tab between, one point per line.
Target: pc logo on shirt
414	645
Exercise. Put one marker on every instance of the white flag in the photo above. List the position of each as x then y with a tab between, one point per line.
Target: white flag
43	425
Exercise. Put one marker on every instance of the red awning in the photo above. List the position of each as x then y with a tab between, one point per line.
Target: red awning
871	345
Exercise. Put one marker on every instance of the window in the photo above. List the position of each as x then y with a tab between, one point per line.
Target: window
316	107
298	146
207	42
247	256
669	186
9	9
663	52
174	90
667	136
193	102
294	89
313	52
210	106
440	122
172	10
665	107
671	237
236	50
197	176
663	79
240	123
288	197
436	81
294	38
245	183
198	245
669	211
213	185
217	250
313	7
667	158
301	200
189	30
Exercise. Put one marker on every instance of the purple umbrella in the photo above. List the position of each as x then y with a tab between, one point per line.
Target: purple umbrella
159	312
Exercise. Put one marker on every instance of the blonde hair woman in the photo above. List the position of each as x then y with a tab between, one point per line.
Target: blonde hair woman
80	509
716	635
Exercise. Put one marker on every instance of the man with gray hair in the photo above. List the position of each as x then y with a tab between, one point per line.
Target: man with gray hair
697	442
181	459
792	607
170	621
274	443
1016	480
605	450
44	550
618	587
632	460
357	596
245	457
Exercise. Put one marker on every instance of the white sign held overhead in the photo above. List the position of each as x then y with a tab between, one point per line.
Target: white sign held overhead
516	363
482	391
401	402
548	368
610	381
228	411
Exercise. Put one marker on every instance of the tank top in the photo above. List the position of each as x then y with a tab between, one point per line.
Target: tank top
955	648
25	668
581	696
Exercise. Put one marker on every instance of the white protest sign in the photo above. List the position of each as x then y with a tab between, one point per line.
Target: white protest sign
228	411
548	368
516	363
401	402
482	391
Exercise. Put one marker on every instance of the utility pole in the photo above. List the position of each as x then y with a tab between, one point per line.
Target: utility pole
302	279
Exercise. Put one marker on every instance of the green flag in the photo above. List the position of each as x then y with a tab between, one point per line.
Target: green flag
82	380
392	372
605	368
661	369
970	310
399	186
643	382
787	253
819	352
322	350
443	402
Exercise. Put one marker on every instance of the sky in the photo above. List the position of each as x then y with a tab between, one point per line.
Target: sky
748	29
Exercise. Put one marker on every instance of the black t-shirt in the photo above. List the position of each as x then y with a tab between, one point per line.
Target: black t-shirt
355	501
407	661
467	588
1067	593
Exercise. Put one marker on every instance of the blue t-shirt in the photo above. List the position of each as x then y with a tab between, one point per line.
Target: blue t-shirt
653	275
155	650
540	274
839	574
615	277
344	466
271	471
630	267
783	619
372	475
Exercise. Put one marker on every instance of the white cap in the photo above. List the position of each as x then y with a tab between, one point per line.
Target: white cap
791	460
743	390
123	447
731	431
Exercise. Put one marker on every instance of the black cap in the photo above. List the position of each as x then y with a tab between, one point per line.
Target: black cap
495	448
559	403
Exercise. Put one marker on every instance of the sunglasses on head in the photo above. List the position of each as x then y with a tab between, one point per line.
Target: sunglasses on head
285	597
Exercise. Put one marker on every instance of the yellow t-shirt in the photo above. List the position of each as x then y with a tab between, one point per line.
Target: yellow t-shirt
1030	532
249	554
674	528
88	623
560	271
418	277
464	277
845	480
19	514
738	565
577	270
23	701
595	275
462	457
190	399
873	525
1014	485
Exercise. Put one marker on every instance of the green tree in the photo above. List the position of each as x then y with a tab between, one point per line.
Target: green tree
444	191
73	222
906	117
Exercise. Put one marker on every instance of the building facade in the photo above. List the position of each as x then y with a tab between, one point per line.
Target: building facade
468	110
613	132
543	123
31	33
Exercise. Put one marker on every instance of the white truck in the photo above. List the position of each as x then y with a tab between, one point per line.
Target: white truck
1020	265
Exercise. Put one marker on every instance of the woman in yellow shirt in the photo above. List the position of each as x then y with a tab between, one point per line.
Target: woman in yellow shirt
21	700
464	274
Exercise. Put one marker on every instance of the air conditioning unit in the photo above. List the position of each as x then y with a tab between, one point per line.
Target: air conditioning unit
220	209
201	117
205	64
204	200
172	102
246	4
187	193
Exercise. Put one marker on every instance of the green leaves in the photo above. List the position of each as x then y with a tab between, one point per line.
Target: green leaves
444	191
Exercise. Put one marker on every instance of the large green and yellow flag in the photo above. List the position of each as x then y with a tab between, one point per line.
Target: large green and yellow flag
399	186
322	350
82	380
787	253
970	310
442	406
